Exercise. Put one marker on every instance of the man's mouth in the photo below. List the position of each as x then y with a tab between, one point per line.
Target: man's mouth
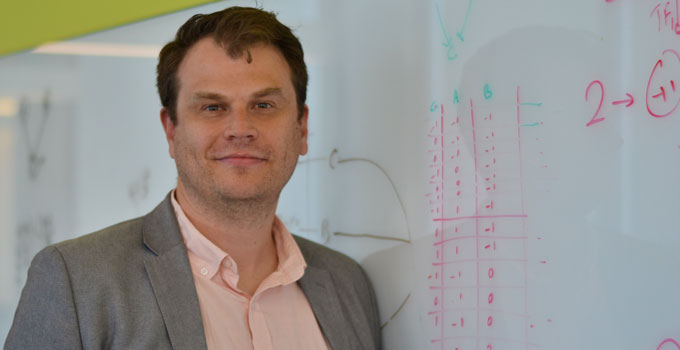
242	159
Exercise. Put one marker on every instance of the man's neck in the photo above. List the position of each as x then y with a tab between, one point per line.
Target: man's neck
243	230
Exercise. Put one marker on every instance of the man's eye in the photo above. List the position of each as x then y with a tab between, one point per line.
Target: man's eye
211	108
263	105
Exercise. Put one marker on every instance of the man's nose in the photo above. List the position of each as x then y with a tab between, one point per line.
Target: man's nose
240	126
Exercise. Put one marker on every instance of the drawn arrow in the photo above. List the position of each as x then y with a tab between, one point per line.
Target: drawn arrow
461	33
630	100
449	40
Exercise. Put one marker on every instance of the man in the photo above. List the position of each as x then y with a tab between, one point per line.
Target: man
211	266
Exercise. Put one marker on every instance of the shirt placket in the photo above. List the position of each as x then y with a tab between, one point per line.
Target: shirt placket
261	336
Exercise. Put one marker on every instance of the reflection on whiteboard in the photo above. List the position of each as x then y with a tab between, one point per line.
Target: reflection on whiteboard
32	235
33	127
138	189
43	189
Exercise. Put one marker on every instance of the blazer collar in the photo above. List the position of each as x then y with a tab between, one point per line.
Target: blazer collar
171	279
321	293
160	229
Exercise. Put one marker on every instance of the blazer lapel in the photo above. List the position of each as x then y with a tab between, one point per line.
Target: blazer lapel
171	279
321	293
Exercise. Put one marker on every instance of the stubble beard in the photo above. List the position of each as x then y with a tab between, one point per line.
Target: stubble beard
222	201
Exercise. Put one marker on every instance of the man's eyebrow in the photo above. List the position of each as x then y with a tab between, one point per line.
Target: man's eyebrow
203	95
268	92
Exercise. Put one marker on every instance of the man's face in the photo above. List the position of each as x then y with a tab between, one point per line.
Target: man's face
238	136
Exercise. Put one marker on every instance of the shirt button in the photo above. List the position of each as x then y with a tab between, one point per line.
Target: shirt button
227	263
204	271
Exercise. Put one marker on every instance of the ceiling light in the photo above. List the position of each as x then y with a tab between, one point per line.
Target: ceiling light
99	49
8	107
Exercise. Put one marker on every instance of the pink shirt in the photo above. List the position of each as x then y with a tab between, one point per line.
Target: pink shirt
277	316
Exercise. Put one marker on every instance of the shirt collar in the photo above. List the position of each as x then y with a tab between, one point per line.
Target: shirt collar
206	252
291	261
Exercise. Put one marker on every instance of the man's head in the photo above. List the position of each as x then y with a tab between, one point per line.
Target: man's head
236	29
233	107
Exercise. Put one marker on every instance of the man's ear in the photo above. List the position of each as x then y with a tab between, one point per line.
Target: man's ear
169	128
304	132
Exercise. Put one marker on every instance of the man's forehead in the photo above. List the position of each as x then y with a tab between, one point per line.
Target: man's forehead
235	49
206	49
205	73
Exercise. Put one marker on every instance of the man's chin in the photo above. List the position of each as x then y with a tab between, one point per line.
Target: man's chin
242	195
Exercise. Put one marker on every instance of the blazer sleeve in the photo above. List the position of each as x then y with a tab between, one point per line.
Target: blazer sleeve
46	317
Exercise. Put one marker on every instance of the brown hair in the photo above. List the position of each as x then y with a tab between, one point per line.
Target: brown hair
235	28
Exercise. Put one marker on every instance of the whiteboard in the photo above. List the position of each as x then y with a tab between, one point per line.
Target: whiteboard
505	171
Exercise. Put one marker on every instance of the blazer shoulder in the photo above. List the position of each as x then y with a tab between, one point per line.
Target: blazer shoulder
46	316
120	236
159	225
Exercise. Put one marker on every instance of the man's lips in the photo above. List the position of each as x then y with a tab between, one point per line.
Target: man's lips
242	159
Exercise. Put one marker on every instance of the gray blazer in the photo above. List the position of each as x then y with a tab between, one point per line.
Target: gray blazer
130	286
